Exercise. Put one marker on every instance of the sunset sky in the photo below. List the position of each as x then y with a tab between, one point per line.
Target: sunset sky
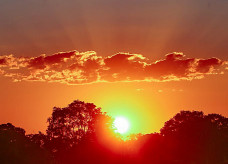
141	59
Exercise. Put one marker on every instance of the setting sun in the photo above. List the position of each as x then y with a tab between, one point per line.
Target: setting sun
121	124
113	82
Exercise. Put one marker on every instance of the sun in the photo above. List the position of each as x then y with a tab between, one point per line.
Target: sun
121	124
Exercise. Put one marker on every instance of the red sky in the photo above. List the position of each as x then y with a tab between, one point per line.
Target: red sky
146	60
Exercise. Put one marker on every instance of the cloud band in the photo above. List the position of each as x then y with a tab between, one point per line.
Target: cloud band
87	67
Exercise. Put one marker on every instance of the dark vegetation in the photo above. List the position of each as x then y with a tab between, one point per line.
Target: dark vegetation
81	133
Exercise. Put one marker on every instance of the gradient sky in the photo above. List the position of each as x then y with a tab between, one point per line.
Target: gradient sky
153	28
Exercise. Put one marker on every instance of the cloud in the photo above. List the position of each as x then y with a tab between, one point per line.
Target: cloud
123	67
87	67
176	67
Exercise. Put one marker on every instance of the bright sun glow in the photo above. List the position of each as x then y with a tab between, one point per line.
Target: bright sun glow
121	124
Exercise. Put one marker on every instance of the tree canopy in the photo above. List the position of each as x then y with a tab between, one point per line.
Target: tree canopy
198	136
82	133
68	125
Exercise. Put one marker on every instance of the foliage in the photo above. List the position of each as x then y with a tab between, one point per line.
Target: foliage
67	126
18	148
81	133
199	137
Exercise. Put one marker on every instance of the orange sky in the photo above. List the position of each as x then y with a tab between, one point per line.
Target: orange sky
147	105
143	31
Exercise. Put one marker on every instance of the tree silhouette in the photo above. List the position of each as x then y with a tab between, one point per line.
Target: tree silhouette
39	139
81	133
70	125
17	148
197	138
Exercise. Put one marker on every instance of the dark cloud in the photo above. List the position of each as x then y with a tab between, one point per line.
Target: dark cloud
176	67
2	61
123	66
43	61
81	68
208	65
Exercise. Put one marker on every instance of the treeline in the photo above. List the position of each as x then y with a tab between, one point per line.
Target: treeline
81	133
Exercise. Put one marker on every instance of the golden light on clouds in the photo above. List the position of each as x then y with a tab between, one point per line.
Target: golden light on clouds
82	68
